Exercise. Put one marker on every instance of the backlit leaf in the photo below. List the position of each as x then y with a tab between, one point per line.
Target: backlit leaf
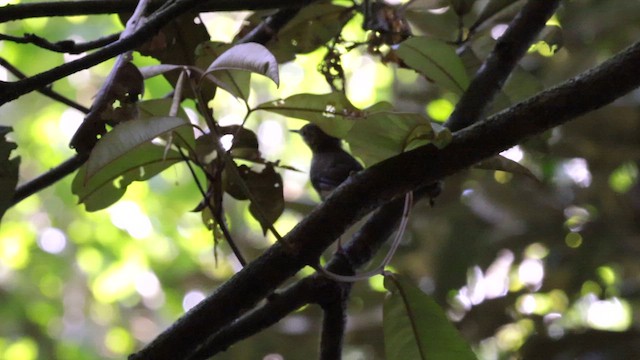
502	163
124	138
332	112
436	60
415	327
109	184
311	28
382	135
250	57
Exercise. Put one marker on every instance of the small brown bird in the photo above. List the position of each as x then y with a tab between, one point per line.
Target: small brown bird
330	164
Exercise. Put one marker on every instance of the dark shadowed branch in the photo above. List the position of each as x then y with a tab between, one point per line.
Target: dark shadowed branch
509	49
373	187
11	91
45	90
49	178
100	7
64	46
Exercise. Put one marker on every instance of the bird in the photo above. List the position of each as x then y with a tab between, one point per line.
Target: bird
330	163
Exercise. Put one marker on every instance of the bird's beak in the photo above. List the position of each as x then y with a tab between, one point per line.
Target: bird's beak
295	131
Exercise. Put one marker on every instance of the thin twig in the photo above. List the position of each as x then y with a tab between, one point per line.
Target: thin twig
127	42
49	178
45	90
64	46
219	220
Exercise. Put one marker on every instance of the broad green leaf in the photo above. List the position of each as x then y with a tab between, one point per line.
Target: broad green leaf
502	163
251	57
116	145
236	82
332	112
311	28
175	44
159	108
244	144
8	170
267	200
415	327
436	60
489	10
155	70
382	135
109	184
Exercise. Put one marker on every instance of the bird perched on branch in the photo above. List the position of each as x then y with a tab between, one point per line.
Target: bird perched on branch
330	164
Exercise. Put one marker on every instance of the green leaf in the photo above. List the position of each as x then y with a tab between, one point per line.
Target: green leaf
436	60
124	138
154	70
236	82
415	327
381	135
244	144
311	28
182	31
8	170
502	163
161	107
109	184
332	112
553	37
249	57
267	200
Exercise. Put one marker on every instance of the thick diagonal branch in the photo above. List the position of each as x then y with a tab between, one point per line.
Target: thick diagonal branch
373	187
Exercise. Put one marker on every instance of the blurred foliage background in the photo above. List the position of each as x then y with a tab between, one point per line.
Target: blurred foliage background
510	257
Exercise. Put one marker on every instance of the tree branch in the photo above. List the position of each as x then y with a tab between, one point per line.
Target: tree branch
373	187
46	91
334	320
509	49
101	7
11	91
64	46
270	26
290	300
49	178
364	244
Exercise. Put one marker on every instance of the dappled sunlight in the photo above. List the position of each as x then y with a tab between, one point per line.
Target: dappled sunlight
575	171
128	216
191	299
541	243
52	240
515	153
